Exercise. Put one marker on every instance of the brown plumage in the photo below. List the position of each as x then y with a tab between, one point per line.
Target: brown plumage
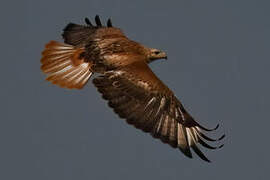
133	91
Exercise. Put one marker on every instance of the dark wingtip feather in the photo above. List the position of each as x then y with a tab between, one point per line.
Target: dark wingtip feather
215	128
199	153
186	151
88	22
206	129
208	138
98	22
222	137
221	146
204	144
109	23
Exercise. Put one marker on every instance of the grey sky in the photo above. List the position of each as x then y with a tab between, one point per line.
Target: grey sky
218	67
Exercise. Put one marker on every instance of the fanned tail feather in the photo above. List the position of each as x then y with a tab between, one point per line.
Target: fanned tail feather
65	66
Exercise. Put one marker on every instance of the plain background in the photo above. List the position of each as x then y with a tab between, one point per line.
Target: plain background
218	67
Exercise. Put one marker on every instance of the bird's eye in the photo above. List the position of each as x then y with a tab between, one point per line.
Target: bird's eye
156	52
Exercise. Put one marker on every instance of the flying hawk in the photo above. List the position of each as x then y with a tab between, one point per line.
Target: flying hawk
125	80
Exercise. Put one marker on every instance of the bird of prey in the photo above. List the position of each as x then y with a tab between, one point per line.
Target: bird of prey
125	80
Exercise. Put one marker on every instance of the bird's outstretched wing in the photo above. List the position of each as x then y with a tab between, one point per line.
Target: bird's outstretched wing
136	94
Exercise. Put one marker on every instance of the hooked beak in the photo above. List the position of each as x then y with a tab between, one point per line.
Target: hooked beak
163	55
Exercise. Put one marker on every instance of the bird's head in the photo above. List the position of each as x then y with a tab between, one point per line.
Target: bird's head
156	54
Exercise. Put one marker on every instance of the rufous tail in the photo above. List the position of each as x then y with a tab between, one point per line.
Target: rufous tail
65	65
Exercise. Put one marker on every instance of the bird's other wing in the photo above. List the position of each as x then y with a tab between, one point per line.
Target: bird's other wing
79	35
136	94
